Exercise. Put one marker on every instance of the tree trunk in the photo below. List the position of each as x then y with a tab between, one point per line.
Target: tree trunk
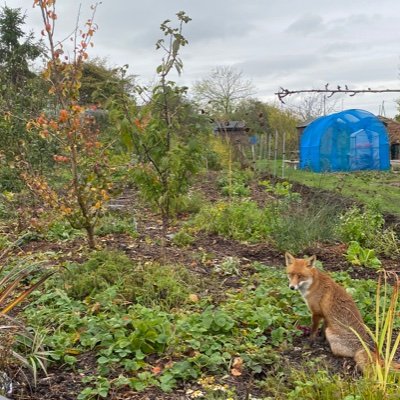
90	236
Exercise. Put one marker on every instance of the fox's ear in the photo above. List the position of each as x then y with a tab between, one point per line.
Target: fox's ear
289	259
312	260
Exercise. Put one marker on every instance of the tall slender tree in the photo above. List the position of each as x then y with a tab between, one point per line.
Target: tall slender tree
17	49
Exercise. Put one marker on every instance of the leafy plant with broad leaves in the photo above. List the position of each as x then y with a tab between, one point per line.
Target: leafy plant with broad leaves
358	255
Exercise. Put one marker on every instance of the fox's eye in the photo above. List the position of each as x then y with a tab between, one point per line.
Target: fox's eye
299	276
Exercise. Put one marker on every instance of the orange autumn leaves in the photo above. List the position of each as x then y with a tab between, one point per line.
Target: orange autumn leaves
74	125
73	131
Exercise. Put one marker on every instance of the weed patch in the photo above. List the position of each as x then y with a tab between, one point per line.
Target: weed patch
242	220
149	284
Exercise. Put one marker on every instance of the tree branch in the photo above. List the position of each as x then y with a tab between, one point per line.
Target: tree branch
282	93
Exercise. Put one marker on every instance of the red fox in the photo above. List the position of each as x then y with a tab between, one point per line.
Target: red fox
330	303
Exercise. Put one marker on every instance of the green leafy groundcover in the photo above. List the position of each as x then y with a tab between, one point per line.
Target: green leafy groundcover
253	323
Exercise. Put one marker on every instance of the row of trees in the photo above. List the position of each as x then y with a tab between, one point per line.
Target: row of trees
75	114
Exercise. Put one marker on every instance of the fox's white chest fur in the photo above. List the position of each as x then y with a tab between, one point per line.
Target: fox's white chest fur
303	289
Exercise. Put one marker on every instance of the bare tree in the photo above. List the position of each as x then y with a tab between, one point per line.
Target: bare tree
222	90
312	106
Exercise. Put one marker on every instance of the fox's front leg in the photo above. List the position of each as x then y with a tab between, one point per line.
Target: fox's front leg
316	319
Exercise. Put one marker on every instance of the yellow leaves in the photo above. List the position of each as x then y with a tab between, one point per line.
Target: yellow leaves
193	298
75	337
77	109
104	195
237	366
98	205
7	116
40	187
44	134
72	351
30	125
9	196
95	307
65	210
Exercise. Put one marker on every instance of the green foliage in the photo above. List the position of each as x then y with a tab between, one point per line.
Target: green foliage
10	180
4	242
100	388
14	55
22	94
100	82
385	339
364	228
201	338
241	220
62	230
361	225
387	243
190	203
360	256
117	222
179	164
228	266
303	224
282	190
151	347
311	383
167	135
183	239
235	183
17	345
149	284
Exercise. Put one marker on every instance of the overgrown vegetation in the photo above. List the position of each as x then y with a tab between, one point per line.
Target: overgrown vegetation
179	287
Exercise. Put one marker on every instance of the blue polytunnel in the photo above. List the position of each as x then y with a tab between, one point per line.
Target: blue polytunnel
350	140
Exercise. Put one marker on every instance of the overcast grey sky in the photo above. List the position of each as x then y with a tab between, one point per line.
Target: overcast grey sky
290	43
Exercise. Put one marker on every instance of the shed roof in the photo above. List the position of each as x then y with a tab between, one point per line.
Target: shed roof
393	128
230	126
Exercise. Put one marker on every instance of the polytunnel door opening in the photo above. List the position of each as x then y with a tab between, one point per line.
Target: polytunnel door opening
364	150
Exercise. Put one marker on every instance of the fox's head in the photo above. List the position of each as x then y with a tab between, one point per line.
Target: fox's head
300	272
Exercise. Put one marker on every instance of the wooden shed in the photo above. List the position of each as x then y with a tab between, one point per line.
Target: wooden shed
237	134
393	128
235	131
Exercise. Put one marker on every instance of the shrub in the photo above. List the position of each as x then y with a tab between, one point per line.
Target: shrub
190	203
235	183
282	190
360	225
10	179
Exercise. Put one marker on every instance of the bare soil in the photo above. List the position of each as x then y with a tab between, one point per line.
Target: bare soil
65	384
